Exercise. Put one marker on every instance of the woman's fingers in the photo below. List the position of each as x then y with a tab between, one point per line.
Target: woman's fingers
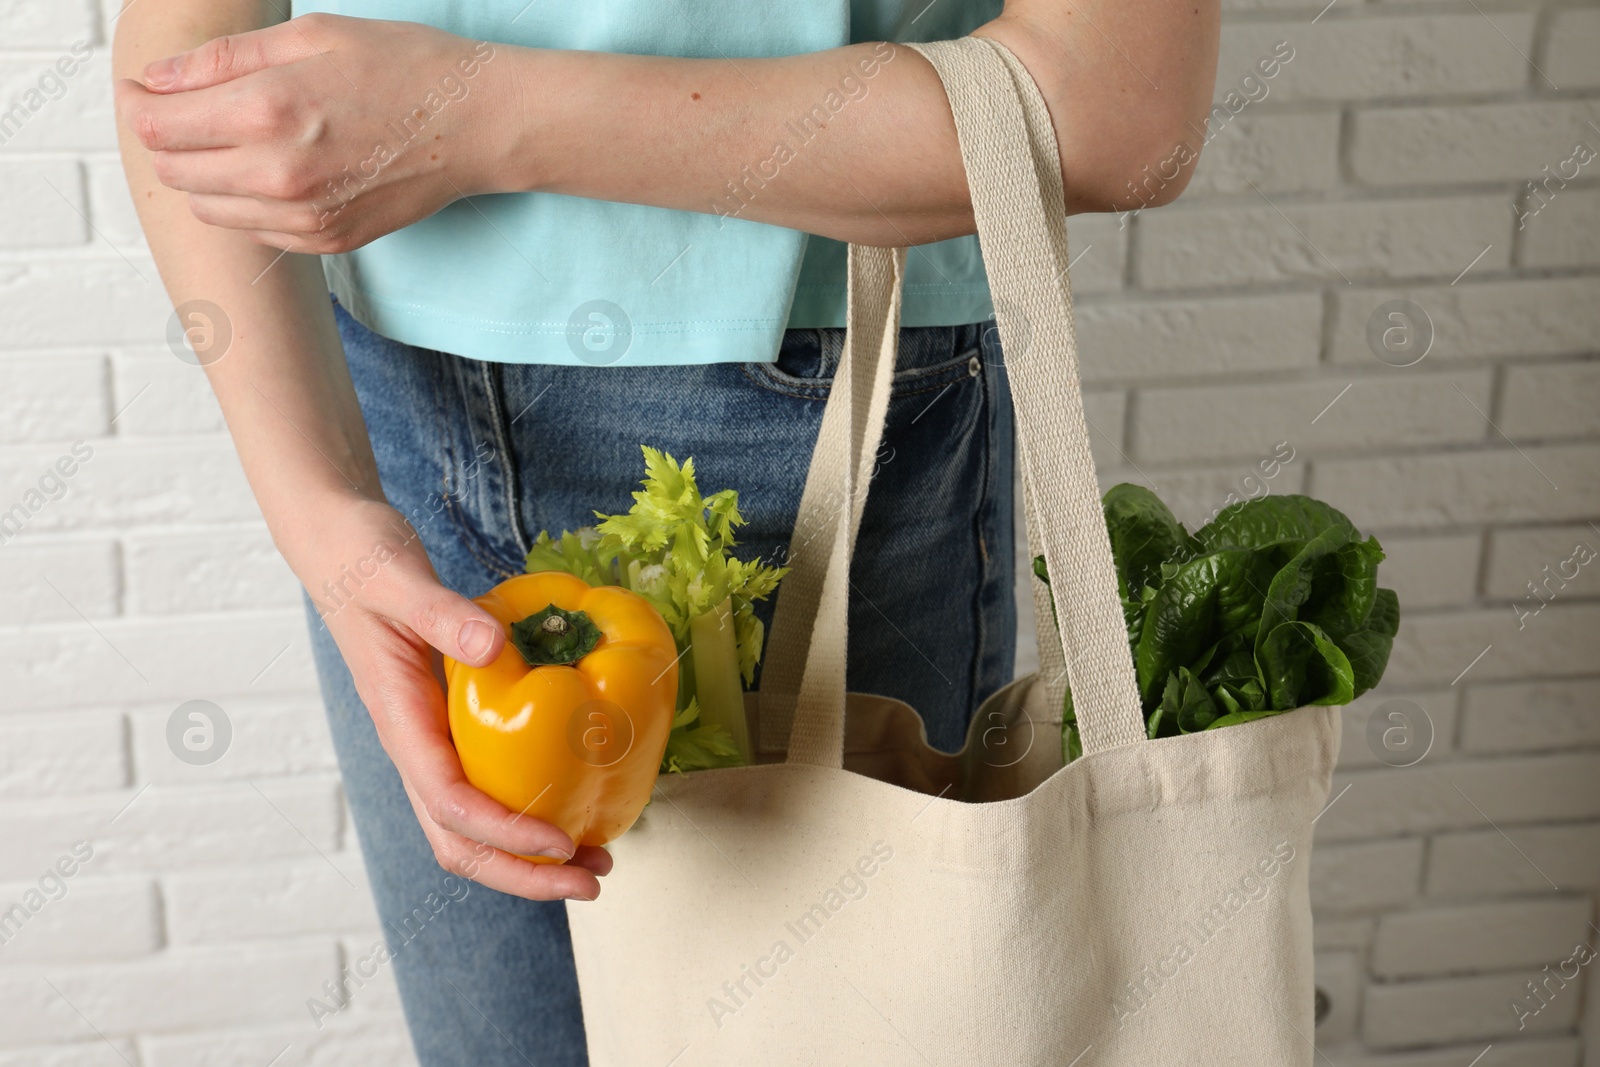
222	117
592	858
442	618
253	214
538	881
406	591
500	870
286	241
395	677
233	56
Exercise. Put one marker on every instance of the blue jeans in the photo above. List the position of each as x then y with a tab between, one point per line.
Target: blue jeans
482	456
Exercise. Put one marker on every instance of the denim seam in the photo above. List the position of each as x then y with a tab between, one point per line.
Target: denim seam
470	538
495	394
985	552
474	545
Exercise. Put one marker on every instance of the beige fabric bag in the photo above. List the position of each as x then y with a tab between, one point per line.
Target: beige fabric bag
871	901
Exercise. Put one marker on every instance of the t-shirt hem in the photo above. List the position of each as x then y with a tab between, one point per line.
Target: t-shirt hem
650	344
682	343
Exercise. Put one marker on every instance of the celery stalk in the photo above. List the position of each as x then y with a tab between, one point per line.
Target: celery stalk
716	673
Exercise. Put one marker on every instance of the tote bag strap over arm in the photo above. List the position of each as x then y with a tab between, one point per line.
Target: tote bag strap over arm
1009	149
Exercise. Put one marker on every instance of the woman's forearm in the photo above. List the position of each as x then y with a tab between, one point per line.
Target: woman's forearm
854	143
847	143
282	382
857	143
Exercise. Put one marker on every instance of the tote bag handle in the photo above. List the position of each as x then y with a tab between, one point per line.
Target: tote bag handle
1009	149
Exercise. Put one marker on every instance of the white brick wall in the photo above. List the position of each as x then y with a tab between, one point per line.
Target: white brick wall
1388	161
1388	154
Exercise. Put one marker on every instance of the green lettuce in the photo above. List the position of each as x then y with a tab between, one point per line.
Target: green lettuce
1271	606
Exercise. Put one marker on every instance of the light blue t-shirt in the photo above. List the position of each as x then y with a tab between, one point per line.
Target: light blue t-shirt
544	278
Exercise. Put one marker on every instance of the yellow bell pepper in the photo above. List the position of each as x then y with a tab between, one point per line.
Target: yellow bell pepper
569	722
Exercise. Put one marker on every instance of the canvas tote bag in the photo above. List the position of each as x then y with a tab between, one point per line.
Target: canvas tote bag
865	899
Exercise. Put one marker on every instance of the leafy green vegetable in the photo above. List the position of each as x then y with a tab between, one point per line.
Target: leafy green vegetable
1186	707
1368	649
1291	586
1345	594
1241	716
1182	618
1236	681
1303	666
1144	533
673	547
1271	606
695	746
1268	521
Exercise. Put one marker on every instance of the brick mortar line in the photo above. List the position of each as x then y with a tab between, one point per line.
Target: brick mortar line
1266	290
91	536
239	615
1388	451
1300	14
1327	330
1471	685
1497	396
1396	195
1468	530
1493	603
1525	94
1486	538
1323	373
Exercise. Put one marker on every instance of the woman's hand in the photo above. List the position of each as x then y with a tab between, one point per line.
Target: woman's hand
388	627
322	133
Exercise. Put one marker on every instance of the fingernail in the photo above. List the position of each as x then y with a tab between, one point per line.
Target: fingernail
555	854
579	896
161	72
475	638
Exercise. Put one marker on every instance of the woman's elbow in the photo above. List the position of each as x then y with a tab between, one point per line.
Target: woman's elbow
1139	165
1126	142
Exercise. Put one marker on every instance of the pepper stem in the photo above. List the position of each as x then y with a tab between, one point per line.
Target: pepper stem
553	636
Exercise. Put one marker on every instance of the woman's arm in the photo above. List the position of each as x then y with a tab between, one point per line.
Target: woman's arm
884	168
285	390
270	134
705	135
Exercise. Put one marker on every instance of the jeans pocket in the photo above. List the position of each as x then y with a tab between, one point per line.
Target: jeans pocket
929	358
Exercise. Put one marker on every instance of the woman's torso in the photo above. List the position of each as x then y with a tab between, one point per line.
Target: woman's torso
544	278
